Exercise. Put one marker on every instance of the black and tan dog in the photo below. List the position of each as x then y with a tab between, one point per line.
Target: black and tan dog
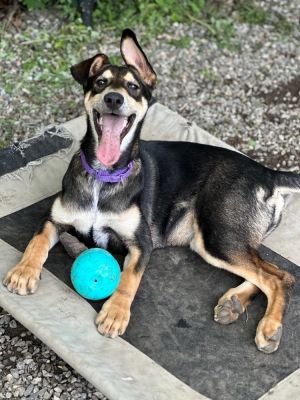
146	195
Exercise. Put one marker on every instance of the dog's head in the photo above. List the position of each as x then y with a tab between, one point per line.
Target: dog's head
116	97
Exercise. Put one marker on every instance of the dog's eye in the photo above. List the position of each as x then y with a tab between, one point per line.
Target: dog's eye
132	86
101	82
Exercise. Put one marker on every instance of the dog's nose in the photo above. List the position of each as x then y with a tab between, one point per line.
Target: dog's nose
113	100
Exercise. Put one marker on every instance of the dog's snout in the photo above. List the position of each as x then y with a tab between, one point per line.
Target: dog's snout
113	100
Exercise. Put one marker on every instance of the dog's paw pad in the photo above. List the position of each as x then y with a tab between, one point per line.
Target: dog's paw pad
228	311
22	280
113	319
268	336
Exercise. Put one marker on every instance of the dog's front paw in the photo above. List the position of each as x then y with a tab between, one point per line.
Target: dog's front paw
228	310
268	335
114	316
22	279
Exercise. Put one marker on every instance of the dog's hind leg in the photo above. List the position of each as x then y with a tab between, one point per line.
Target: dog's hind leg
23	279
234	302
273	282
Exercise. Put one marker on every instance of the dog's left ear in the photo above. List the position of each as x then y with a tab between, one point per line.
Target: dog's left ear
82	71
133	54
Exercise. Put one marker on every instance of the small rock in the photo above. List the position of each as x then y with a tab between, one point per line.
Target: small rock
28	390
9	378
47	396
13	324
36	380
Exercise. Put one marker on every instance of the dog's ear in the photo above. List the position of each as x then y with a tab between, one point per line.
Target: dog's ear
133	54
82	71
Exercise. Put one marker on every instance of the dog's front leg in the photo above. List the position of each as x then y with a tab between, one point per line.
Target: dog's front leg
24	277
114	316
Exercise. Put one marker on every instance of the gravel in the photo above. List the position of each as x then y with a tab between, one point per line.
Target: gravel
30	370
248	97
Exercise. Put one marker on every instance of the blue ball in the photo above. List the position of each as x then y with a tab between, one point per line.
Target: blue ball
95	274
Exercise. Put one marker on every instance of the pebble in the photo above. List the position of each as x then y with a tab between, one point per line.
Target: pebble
13	324
9	378
15	374
28	390
47	395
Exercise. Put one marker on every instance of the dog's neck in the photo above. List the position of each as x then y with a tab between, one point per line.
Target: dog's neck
116	176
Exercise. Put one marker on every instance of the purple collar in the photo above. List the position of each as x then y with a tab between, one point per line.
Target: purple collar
105	176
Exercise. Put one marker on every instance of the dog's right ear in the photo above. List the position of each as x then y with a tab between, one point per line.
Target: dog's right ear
133	54
82	71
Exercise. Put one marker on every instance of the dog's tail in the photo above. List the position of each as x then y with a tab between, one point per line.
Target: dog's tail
287	181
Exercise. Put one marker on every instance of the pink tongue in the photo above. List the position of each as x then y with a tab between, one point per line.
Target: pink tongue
108	152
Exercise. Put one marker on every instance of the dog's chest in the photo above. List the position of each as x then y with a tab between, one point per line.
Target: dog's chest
124	223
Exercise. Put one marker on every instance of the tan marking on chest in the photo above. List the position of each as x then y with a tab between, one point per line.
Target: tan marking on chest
124	223
81	220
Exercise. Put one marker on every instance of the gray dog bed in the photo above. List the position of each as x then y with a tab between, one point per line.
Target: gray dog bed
172	349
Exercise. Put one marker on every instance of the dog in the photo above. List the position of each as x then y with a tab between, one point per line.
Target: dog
143	195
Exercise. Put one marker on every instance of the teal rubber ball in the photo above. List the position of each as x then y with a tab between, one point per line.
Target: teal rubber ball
95	274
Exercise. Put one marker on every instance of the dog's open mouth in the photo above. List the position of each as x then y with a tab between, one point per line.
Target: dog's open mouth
111	130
